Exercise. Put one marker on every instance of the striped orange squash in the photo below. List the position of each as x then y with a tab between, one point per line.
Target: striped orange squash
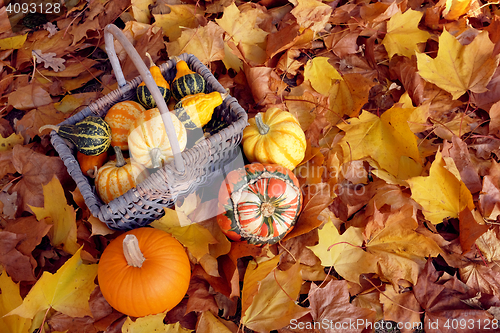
120	118
148	141
117	177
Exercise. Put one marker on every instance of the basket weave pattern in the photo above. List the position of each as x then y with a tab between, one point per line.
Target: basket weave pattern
146	202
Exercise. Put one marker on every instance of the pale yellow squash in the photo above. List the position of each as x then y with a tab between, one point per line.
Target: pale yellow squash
274	137
148	141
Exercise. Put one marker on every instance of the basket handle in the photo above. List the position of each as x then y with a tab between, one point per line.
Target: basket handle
111	31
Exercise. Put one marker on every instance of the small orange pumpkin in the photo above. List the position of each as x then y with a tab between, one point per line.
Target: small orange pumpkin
144	271
91	163
120	118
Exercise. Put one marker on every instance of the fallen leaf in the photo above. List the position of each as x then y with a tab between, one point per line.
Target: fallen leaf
30	124
470	230
152	323
15	42
311	14
273	306
49	60
9	300
321	74
60	214
441	194
9	142
67	291
179	18
403	34
388	140
140	10
29	97
344	252
15	263
458	68
401	306
485	279
456	8
330	306
205	43
208	323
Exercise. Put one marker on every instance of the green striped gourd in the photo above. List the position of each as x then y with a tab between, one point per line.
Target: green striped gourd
195	111
144	95
186	82
91	136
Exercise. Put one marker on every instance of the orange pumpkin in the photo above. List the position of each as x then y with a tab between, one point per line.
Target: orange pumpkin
120	118
91	163
144	271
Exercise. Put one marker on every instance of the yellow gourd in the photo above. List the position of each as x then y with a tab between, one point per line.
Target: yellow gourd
144	95
195	111
274	137
148	141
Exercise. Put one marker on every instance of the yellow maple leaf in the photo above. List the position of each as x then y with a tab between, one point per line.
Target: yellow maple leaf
61	215
273	304
321	74
387	140
67	291
242	28
179	18
344	252
205	43
312	14
442	194
209	323
458	68
400	251
9	142
9	300
456	8
140	10
152	323
403	34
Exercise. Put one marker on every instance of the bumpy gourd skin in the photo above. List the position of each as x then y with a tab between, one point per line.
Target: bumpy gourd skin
278	138
91	136
187	82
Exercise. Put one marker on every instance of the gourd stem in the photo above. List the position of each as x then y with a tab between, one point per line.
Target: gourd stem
120	161
155	157
151	63
52	127
267	209
132	252
263	128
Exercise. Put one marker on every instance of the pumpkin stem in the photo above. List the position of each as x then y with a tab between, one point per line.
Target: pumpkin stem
92	173
120	160
155	157
263	128
132	252
267	209
52	127
151	63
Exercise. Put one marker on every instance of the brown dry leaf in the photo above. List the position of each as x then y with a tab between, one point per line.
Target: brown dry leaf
273	306
342	42
487	99
288	38
470	229
37	170
29	97
485	279
401	307
458	68
405	70
205	43
49	60
74	67
330	304
30	124
311	14
495	119
31	229
18	265
200	297
489	198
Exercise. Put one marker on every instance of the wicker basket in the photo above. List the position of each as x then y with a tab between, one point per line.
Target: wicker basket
190	169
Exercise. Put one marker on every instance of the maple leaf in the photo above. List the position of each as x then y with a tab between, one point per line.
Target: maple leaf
458	68
140	10
67	291
400	306
344	252
388	140
205	43
273	306
15	263
49	59
61	215
243	30
29	97
311	14
442	194
208	323
180	16
470	230
331	305
152	323
10	299
403	34
455	8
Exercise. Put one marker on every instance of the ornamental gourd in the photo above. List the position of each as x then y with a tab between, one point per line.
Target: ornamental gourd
186	82
144	271
259	203
274	137
91	136
195	111
115	178
144	95
148	141
120	119
90	164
